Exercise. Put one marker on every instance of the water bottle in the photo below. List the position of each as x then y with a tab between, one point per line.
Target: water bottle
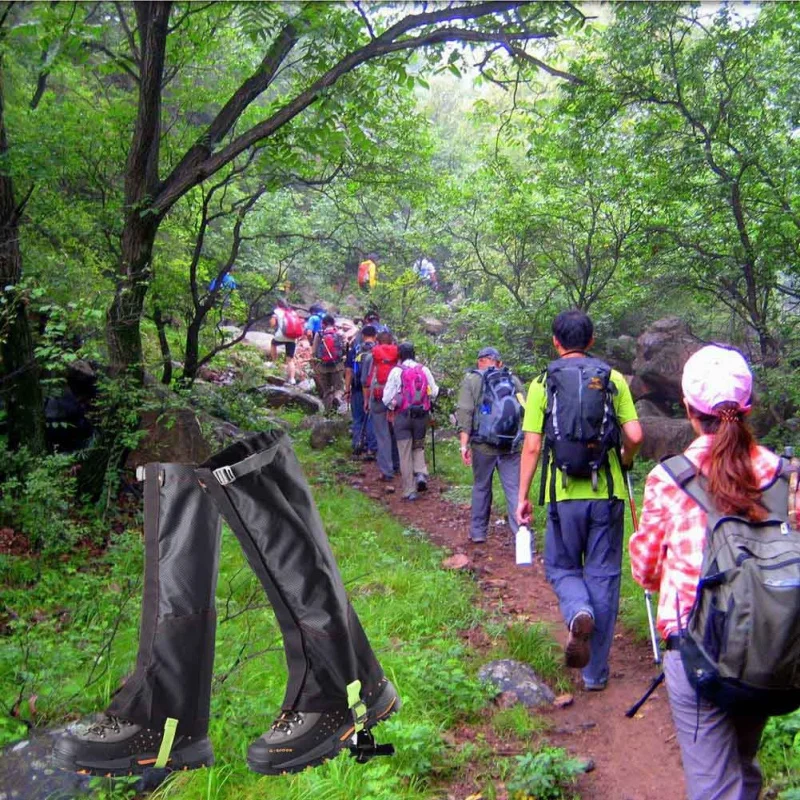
524	549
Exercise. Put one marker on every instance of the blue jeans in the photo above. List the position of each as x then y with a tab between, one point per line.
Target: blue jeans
583	563
359	415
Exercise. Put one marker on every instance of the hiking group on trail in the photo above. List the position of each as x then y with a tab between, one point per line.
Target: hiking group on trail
717	539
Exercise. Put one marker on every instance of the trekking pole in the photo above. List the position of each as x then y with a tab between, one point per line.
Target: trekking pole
648	596
433	440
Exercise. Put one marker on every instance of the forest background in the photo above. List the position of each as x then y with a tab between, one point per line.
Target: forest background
633	160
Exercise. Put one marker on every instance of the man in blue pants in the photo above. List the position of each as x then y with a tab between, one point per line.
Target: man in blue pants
585	515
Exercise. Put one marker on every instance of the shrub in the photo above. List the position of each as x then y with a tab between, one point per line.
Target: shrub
545	775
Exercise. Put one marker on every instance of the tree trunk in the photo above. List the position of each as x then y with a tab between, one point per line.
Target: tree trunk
163	343
20	386
123	319
192	355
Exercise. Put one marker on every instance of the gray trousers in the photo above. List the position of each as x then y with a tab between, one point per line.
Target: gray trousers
483	467
410	433
387	456
720	764
583	563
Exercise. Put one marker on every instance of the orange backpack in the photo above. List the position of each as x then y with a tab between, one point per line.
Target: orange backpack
366	274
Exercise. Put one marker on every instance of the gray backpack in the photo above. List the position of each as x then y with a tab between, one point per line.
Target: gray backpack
741	646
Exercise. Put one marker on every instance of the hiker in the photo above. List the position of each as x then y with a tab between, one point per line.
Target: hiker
739	481
378	363
160	717
288	329
581	420
328	350
426	272
489	419
367	274
363	432
313	324
410	389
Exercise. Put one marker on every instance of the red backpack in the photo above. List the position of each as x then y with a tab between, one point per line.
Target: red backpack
414	394
384	358
292	324
330	346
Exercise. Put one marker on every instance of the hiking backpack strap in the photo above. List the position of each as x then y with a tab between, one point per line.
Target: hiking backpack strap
684	473
545	458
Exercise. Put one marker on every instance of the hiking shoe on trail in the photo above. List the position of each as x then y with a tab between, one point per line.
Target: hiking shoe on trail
300	739
386	478
578	650
422	482
413	496
111	747
477	539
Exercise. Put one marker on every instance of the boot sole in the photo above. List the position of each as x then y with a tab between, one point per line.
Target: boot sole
578	650
193	756
382	709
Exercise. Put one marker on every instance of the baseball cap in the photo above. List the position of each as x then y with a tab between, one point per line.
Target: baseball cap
489	352
372	315
717	374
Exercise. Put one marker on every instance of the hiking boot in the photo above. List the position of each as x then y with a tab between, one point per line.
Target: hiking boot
411	497
422	482
370	455
386	478
578	650
111	746
300	739
479	539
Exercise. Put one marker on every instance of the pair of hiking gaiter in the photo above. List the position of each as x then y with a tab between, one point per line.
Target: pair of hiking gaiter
258	487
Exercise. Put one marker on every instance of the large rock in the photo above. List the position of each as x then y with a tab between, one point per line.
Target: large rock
326	431
661	352
432	325
647	408
181	436
519	679
620	353
280	396
665	437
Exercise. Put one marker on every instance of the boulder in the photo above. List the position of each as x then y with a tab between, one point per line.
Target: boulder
432	325
665	437
661	351
177	435
620	353
280	396
514	677
326	431
647	408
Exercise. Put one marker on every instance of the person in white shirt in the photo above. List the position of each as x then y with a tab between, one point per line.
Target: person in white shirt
410	389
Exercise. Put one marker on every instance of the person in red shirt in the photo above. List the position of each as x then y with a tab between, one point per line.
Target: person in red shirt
718	749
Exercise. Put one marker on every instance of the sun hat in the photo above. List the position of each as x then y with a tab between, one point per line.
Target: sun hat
717	374
489	352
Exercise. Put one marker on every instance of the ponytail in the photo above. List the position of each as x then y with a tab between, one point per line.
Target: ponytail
728	466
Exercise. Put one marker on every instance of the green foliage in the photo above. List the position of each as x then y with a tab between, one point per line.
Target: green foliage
548	774
37	497
779	755
518	722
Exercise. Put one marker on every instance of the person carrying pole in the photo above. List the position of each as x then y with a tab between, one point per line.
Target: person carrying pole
715	541
580	416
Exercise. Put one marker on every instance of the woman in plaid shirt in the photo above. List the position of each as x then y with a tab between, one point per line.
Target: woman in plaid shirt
718	749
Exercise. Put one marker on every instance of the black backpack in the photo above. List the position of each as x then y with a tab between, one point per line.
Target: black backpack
580	423
499	417
741	646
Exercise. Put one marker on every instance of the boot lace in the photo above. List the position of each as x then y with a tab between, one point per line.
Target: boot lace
287	721
107	723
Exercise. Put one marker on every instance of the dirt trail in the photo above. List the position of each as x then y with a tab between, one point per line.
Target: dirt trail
635	759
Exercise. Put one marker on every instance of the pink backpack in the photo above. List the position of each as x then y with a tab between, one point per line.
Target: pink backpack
414	394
